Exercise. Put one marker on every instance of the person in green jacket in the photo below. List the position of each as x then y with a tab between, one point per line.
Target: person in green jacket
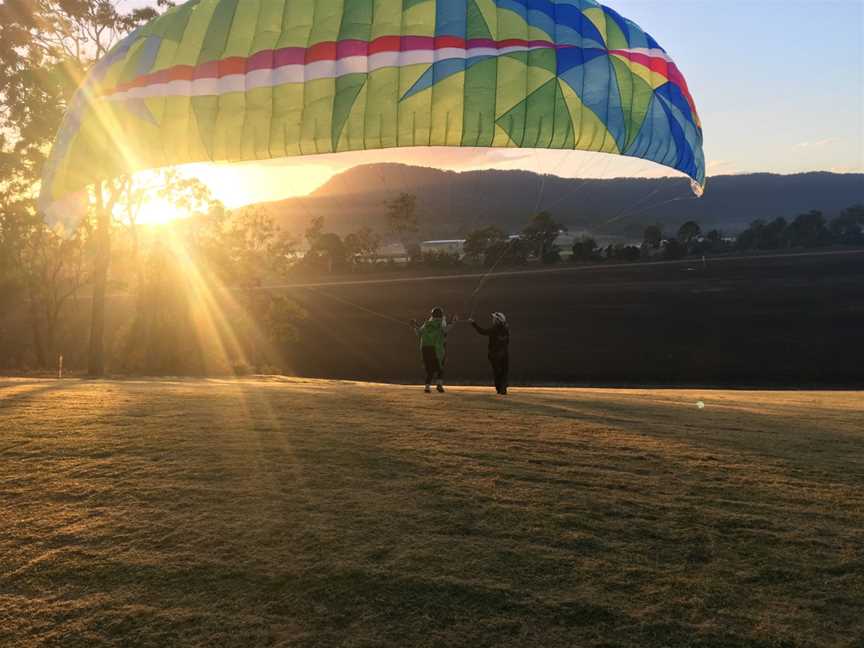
433	347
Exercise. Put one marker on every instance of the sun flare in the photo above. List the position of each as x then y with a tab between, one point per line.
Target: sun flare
234	185
237	185
159	211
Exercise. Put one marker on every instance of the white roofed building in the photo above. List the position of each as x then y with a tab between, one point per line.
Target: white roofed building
455	247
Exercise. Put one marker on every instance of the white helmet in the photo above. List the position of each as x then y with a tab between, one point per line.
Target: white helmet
499	317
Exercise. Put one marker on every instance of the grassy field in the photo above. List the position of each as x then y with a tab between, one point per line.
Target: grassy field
315	513
790	321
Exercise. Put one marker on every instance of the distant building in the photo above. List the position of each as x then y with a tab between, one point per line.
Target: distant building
455	247
564	242
390	253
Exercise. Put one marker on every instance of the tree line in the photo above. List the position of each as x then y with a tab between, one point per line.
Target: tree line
46	49
806	231
359	250
538	240
810	230
186	297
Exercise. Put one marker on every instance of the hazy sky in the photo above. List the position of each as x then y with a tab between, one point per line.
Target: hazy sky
779	85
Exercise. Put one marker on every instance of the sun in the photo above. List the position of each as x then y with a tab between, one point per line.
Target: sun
158	211
240	184
233	185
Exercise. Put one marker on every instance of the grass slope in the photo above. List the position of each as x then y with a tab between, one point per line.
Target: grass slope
315	513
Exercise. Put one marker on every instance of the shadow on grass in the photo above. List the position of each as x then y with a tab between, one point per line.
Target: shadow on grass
805	451
39	388
302	518
334	605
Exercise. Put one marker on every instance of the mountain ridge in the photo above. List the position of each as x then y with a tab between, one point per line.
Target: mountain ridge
452	203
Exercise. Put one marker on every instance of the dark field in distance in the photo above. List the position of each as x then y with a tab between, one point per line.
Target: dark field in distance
787	321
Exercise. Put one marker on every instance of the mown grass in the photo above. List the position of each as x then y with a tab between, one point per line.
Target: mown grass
315	513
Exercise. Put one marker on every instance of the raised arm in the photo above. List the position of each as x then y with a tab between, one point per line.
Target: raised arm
448	325
481	330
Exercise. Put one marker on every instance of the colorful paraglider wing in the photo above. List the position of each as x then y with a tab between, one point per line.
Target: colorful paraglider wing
232	80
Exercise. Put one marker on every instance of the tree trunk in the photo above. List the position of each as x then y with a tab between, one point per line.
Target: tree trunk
134	337
102	236
38	337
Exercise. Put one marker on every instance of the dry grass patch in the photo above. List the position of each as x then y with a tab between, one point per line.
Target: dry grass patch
315	513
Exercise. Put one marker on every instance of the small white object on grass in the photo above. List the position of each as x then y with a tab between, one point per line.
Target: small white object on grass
700	404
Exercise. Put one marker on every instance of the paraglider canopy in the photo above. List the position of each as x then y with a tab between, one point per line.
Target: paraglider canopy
231	80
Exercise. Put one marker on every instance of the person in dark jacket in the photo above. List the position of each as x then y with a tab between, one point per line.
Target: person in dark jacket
499	349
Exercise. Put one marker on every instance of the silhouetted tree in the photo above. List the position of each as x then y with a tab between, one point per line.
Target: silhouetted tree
688	233
715	237
42	270
541	233
364	242
281	320
253	247
205	278
441	259
749	238
711	243
585	249
402	217
619	252
46	48
329	252
478	242
775	235
326	249
513	251
629	253
764	236
809	230
314	230
673	249
652	237
847	228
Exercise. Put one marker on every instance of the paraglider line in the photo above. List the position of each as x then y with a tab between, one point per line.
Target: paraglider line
642	210
553	173
346	302
486	276
629	209
572	191
540	193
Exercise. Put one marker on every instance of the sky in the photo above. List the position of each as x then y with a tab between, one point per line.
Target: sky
779	85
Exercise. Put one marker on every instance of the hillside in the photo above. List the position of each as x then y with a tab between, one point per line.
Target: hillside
318	513
453	203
